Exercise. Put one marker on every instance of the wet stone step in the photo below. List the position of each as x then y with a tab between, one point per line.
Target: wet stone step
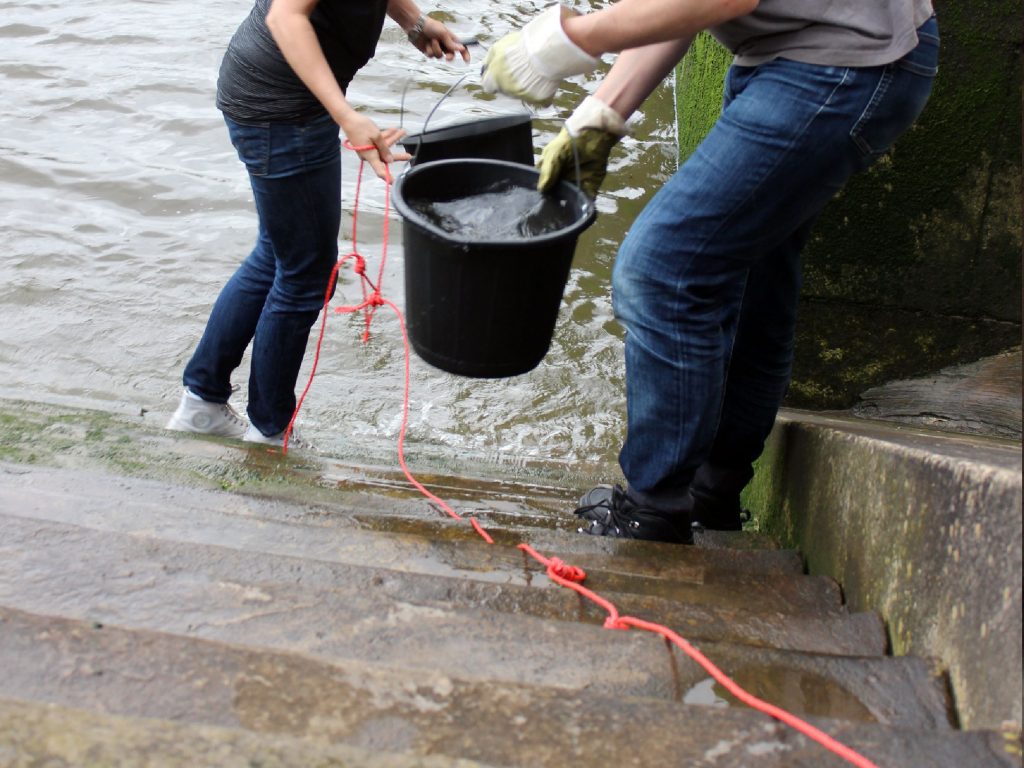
61	737
755	617
419	712
536	495
129	504
470	560
286	603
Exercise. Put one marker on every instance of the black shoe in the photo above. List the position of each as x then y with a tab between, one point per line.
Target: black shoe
607	511
715	498
717	514
719	519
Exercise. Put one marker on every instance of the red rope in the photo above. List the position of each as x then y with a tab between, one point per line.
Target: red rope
561	573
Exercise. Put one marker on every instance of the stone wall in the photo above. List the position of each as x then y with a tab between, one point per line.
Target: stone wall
923	528
917	264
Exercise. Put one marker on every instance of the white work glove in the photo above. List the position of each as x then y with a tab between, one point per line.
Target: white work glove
588	137
530	64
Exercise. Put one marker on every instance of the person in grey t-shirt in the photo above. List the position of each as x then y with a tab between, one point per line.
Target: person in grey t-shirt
707	280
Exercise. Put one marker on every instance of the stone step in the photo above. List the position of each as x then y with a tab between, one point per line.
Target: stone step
119	503
61	737
288	603
780	611
536	497
96	493
756	616
80	665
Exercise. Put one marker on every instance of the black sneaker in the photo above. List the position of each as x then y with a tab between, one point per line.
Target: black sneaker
607	511
716	514
715	498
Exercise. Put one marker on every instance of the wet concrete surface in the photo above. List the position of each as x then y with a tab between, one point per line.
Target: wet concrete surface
236	597
377	615
501	579
380	708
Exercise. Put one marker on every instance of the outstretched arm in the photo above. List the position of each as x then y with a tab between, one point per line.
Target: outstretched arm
580	151
288	21
558	43
433	37
637	72
634	23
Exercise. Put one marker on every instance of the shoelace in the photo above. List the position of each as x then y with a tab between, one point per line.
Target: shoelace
233	415
614	517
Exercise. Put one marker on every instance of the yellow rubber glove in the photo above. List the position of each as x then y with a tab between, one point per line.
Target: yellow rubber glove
558	161
531	63
594	128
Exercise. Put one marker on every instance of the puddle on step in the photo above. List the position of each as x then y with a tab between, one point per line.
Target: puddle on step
803	693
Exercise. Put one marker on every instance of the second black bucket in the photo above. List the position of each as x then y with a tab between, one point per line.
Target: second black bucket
476	307
508	137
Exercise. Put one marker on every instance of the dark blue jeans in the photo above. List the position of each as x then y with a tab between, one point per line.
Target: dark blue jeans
274	297
707	281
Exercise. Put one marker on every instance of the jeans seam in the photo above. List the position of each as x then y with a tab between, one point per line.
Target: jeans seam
879	93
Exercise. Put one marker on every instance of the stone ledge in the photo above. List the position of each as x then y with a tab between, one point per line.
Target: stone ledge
921	526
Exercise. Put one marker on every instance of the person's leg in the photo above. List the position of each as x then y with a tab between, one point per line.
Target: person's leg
299	203
231	324
758	375
762	358
229	329
789	137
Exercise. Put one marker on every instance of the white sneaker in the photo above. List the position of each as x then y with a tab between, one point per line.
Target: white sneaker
205	418
253	435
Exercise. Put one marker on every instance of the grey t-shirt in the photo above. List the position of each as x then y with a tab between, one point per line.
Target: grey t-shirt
256	83
847	33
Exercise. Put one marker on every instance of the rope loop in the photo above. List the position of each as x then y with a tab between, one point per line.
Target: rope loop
349	145
614	622
566	571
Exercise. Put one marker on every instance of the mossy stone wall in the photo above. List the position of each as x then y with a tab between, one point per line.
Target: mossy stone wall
917	264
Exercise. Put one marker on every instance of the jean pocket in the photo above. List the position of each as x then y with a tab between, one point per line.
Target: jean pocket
900	94
896	103
252	142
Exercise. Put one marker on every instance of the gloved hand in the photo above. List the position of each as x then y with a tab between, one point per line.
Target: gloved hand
530	64
594	128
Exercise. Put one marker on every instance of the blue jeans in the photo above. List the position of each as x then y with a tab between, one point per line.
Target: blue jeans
707	281
276	294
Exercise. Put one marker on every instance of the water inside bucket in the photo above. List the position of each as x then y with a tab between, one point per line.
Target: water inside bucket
503	211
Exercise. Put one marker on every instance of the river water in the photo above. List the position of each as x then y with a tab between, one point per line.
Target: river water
123	210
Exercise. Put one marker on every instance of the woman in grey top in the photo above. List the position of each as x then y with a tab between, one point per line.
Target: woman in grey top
707	280
282	91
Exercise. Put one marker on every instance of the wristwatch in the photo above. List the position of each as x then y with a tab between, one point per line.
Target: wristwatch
416	30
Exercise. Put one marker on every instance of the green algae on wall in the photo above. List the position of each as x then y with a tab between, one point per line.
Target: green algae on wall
917	263
700	79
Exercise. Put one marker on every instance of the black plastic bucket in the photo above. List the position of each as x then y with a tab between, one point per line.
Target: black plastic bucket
509	137
485	309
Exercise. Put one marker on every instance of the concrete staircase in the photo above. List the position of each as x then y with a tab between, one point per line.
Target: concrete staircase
180	601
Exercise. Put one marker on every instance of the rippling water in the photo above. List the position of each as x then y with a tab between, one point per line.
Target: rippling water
123	210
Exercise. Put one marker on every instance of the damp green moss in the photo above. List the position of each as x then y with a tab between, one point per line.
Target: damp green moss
700	79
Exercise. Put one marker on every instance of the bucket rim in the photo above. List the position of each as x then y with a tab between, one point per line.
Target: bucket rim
439	134
588	210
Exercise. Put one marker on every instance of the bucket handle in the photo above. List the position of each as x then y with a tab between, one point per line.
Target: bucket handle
445	95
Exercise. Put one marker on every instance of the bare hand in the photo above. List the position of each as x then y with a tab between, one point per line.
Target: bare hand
437	41
372	144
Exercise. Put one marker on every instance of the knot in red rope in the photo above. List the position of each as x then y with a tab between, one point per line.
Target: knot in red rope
614	622
360	266
375	299
566	571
